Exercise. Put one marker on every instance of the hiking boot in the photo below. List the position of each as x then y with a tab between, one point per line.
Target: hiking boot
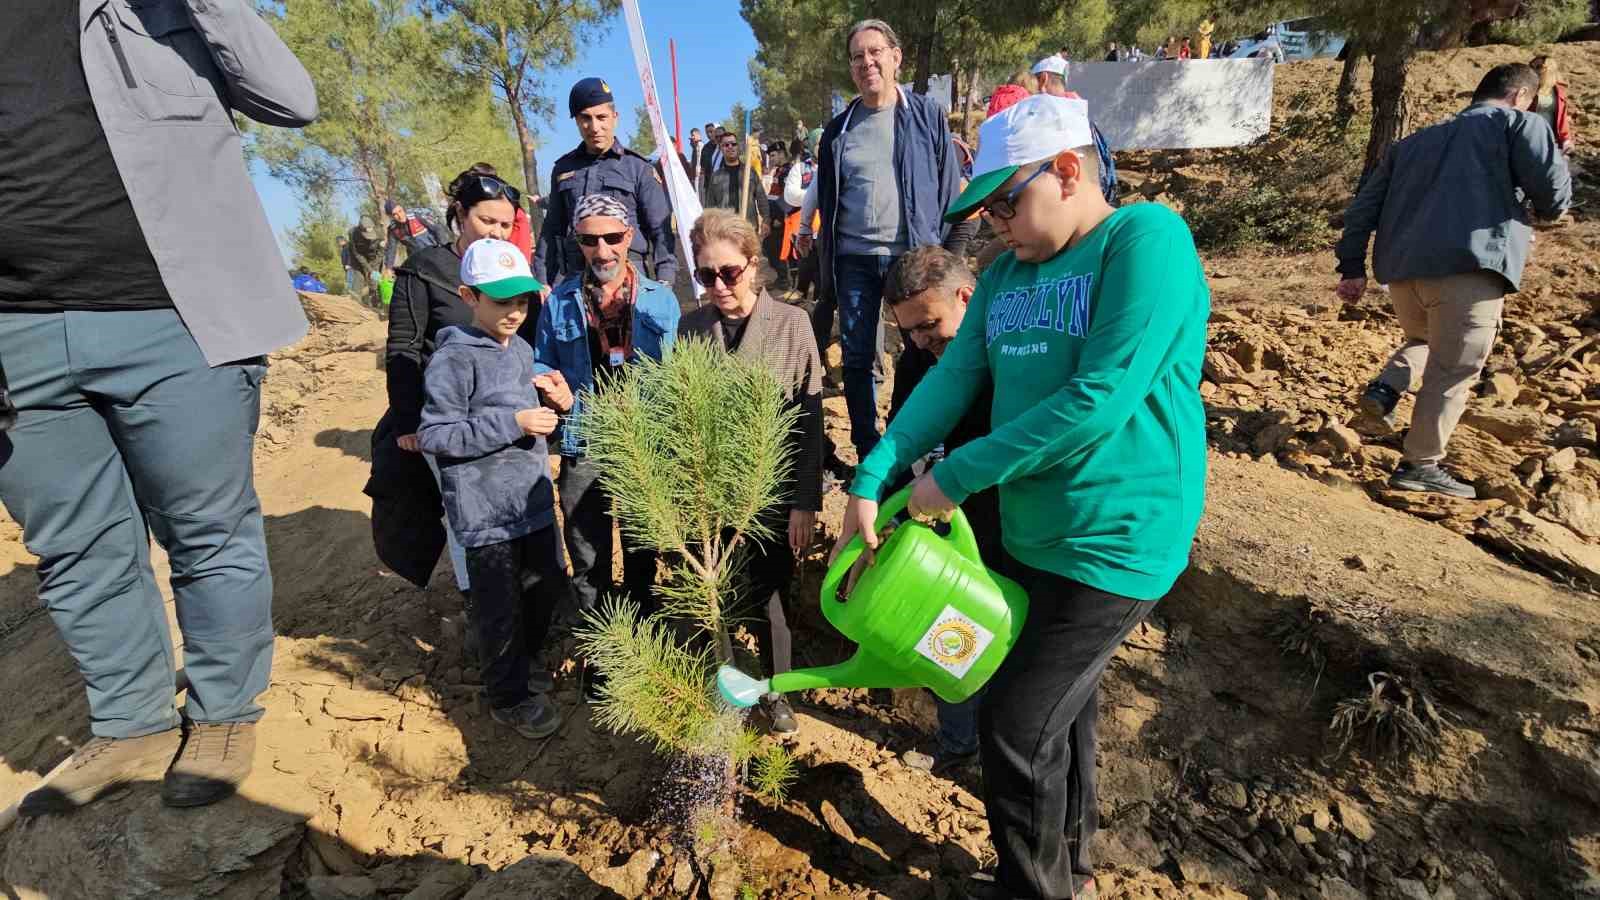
102	766
533	718
1432	479
216	757
1379	401
940	762
779	714
541	682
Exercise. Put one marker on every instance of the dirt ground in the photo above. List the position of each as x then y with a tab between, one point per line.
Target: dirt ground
1221	776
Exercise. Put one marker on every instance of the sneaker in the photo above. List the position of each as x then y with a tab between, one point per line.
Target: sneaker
1432	479
939	762
533	718
102	766
216	757
780	714
541	682
1379	401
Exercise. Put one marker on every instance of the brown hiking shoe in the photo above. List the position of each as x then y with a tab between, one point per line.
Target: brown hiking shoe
102	766
215	759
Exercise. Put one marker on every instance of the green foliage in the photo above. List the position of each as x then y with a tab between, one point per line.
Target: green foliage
1233	217
655	686
774	772
643	141
314	240
1541	21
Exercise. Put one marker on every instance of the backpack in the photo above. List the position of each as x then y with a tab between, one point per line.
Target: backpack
1108	167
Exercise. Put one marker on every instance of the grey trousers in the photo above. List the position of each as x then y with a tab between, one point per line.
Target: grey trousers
123	431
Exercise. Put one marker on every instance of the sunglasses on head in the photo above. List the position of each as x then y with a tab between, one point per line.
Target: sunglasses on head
492	188
730	275
593	240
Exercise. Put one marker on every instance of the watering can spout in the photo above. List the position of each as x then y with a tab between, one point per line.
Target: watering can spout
861	670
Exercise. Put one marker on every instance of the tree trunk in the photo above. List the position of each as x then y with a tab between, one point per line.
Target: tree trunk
530	159
1345	98
1390	115
924	52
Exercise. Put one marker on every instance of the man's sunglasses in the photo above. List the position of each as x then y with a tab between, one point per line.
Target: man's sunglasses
593	240
493	187
730	275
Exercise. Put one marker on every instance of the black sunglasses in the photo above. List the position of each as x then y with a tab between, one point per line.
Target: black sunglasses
493	188
593	240
730	275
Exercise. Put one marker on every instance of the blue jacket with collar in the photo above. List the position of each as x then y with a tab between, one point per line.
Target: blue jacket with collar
561	341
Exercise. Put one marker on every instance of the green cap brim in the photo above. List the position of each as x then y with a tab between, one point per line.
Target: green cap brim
978	190
506	288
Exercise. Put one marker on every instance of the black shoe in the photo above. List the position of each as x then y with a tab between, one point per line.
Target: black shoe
1432	479
780	714
534	718
1379	401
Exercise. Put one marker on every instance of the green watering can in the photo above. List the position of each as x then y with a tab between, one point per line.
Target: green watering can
926	613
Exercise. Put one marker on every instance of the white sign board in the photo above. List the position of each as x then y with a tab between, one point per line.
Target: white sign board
1177	105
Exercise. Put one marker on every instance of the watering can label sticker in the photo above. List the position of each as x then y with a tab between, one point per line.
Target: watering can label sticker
954	642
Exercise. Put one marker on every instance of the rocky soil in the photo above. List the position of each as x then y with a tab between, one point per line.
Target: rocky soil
1467	635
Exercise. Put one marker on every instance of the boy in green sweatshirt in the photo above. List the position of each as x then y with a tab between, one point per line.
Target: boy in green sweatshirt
1091	330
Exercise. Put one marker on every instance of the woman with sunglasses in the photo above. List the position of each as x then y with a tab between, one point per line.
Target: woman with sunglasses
745	319
407	511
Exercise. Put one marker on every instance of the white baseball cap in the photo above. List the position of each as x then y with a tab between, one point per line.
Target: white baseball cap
1032	130
1054	64
497	268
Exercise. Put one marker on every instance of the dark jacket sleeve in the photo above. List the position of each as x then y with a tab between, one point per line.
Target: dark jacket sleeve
265	81
655	217
391	247
1361	219
402	358
1539	167
547	256
949	165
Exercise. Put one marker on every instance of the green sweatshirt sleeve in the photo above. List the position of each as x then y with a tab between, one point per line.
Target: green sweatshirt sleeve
934	408
1128	348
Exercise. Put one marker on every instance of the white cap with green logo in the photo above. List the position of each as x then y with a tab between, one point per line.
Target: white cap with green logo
1032	130
497	269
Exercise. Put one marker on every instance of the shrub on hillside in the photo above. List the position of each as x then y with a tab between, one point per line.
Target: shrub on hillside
1254	215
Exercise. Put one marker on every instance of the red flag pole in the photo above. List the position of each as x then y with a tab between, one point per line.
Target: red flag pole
677	119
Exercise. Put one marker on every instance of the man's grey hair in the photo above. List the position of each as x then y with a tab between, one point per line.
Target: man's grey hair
878	25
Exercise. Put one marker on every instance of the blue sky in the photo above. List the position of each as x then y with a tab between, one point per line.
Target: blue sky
714	50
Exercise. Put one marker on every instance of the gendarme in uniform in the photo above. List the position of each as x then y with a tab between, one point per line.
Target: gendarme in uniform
619	172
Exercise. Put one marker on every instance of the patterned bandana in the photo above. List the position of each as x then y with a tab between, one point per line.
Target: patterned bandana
601	205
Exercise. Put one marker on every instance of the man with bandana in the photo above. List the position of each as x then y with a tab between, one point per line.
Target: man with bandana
601	165
600	319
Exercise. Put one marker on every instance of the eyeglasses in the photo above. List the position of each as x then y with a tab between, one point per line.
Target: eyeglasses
493	188
730	275
860	57
593	240
1006	207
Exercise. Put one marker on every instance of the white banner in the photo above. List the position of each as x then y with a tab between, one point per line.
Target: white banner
1177	105
686	207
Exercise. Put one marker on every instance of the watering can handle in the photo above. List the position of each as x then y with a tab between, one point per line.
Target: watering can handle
960	535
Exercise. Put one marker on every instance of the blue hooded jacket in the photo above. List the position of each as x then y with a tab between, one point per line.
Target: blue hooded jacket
495	478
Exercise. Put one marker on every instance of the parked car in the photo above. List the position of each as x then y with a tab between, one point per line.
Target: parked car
1307	38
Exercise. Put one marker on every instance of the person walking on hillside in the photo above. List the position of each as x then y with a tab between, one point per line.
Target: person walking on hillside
602	165
598	321
1551	103
725	187
366	258
705	163
343	243
887	170
1447	204
413	229
1091	332
749	323
141	289
1205	30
